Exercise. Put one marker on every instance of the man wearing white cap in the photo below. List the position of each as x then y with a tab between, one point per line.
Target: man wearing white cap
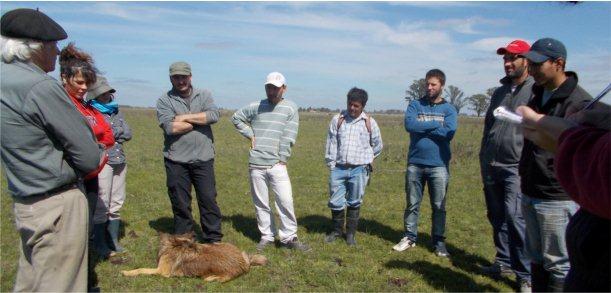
271	125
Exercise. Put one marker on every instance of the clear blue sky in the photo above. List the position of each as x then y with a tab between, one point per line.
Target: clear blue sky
323	48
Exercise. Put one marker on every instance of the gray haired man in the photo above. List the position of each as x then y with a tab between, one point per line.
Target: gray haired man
47	147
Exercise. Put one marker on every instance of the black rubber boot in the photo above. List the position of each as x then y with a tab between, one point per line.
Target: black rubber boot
539	278
337	218
100	241
113	231
352	222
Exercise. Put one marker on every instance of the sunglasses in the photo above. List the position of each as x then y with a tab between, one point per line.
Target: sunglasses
512	57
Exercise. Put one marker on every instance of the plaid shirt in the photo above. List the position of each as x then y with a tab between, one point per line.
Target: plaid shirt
351	143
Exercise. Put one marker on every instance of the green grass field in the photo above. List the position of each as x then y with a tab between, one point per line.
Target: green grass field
371	266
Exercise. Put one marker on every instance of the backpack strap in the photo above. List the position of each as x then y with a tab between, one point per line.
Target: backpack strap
368	123
340	120
367	119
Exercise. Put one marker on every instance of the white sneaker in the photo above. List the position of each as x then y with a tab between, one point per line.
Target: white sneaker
525	286
404	244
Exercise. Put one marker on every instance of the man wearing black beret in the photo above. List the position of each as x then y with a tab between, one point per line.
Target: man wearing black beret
47	146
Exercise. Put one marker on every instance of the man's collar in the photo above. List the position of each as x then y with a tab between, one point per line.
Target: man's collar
29	65
428	100
175	93
346	115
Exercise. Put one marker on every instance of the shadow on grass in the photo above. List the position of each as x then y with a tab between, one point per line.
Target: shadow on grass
460	258
442	279
244	225
321	224
166	225
315	223
123	229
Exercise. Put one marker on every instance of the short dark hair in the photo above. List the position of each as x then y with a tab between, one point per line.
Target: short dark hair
357	95
437	74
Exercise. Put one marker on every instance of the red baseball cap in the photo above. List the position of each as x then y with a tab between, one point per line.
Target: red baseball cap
515	47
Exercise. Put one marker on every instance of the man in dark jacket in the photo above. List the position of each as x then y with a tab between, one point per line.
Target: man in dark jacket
545	205
499	157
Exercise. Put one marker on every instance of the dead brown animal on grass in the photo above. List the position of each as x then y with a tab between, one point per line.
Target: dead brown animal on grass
181	256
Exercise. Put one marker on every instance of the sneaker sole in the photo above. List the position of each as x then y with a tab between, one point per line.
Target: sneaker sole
404	249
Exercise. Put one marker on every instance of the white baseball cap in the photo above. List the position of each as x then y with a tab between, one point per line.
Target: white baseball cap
276	78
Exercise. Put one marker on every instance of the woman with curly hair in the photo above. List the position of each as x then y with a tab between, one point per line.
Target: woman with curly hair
77	74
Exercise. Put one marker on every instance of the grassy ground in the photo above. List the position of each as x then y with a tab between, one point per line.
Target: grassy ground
372	266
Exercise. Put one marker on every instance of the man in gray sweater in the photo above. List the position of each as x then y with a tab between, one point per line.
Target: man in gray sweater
47	148
185	115
499	158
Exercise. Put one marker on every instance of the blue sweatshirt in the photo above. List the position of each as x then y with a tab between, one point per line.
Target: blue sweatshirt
431	127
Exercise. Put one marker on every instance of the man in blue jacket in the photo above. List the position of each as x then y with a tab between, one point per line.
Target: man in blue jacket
431	123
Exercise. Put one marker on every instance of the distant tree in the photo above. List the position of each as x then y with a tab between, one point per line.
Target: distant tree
416	91
479	103
490	91
456	97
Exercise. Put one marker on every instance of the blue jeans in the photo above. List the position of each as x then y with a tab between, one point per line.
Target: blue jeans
504	210
347	186
437	179
546	222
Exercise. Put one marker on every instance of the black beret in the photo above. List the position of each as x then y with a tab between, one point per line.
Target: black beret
31	24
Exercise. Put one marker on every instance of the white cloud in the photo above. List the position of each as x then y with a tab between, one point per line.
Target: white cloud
491	44
467	25
436	4
323	48
138	13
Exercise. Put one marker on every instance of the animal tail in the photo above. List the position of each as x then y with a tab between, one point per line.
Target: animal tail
258	260
143	271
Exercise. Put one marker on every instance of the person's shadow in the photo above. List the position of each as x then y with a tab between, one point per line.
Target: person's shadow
321	224
459	258
442	279
245	225
166	225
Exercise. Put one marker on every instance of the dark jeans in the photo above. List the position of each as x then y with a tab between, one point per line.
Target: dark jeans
503	202
180	177
91	192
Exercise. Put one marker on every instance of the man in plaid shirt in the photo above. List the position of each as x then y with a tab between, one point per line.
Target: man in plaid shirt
353	141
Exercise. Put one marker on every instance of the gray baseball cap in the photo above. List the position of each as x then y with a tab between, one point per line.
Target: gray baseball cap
99	87
180	68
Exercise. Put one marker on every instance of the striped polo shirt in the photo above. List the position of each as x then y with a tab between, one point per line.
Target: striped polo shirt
274	128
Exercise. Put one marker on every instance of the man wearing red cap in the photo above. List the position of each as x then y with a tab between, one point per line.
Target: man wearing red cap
499	159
